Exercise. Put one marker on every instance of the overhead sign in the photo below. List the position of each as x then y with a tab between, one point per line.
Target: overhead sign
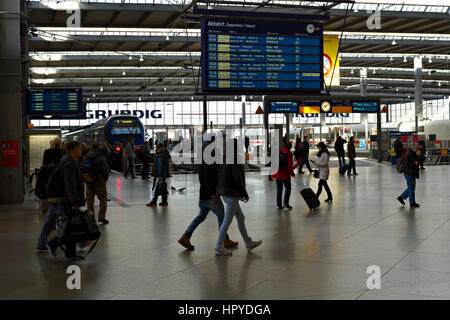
331	71
324	106
40	102
261	56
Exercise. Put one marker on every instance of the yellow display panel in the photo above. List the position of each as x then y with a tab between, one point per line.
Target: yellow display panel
309	109
341	110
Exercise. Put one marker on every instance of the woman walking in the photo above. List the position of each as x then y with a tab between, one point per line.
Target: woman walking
231	186
283	176
324	170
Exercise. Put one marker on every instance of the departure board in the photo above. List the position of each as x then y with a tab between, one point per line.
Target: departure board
54	102
324	106
261	57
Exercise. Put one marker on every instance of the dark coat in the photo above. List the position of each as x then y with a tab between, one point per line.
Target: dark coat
410	164
398	148
100	166
339	146
231	182
304	151
208	175
422	149
52	154
161	165
351	152
73	183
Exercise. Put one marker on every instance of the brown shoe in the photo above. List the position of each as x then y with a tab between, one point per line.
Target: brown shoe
185	242
228	244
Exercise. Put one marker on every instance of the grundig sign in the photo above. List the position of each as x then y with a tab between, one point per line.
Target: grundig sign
147	114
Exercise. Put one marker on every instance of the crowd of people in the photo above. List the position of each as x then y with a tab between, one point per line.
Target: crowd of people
85	169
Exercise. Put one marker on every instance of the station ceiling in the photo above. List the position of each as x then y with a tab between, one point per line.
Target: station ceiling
128	50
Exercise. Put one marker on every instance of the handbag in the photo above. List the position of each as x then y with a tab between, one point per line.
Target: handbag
316	174
79	227
161	188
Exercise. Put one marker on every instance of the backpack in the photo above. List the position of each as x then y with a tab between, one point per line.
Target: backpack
283	161
55	186
87	170
43	176
401	165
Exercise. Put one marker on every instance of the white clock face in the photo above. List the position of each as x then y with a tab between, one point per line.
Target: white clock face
310	28
326	106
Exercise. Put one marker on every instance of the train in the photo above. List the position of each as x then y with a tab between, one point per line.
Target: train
115	131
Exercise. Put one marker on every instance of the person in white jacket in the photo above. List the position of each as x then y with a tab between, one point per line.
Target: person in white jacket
324	170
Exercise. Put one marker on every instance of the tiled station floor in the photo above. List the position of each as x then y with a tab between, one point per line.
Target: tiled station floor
304	255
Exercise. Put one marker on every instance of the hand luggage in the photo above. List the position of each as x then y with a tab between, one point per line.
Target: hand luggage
343	169
310	198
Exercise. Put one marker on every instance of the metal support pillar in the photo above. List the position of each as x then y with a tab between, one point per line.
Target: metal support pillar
379	150
11	112
287	123
364	117
205	114
418	90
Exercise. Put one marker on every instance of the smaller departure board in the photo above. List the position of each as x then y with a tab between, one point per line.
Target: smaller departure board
54	102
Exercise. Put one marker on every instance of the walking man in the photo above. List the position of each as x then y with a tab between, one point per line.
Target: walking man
411	173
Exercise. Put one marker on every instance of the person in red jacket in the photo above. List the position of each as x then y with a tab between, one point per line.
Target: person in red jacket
283	175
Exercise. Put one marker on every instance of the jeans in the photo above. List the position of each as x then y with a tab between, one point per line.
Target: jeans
305	160
49	224
341	158
287	194
130	168
410	190
232	209
324	183
60	210
351	165
216	206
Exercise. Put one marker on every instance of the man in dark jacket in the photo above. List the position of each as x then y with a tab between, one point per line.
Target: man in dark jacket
411	173
54	153
339	148
351	153
100	171
398	147
160	173
423	151
304	155
208	175
73	197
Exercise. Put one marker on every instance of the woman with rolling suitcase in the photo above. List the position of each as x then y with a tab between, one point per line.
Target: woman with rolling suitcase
322	164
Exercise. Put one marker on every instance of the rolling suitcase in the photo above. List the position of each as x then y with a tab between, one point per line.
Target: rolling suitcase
343	169
310	198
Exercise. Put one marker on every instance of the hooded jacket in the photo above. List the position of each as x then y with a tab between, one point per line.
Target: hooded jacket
161	165
288	171
100	165
410	164
231	182
351	152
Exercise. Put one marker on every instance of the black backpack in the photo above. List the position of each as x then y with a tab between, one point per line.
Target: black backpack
43	178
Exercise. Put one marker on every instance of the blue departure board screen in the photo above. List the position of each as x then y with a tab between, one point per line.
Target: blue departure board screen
54	102
261	56
284	107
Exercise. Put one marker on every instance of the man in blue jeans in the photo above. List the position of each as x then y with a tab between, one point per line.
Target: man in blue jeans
411	173
208	175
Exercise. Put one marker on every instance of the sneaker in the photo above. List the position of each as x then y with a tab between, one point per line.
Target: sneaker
414	205
104	221
220	251
356	174
74	258
51	249
301	172
288	206
41	250
329	200
163	204
185	242
151	205
253	244
228	244
400	199
279	208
